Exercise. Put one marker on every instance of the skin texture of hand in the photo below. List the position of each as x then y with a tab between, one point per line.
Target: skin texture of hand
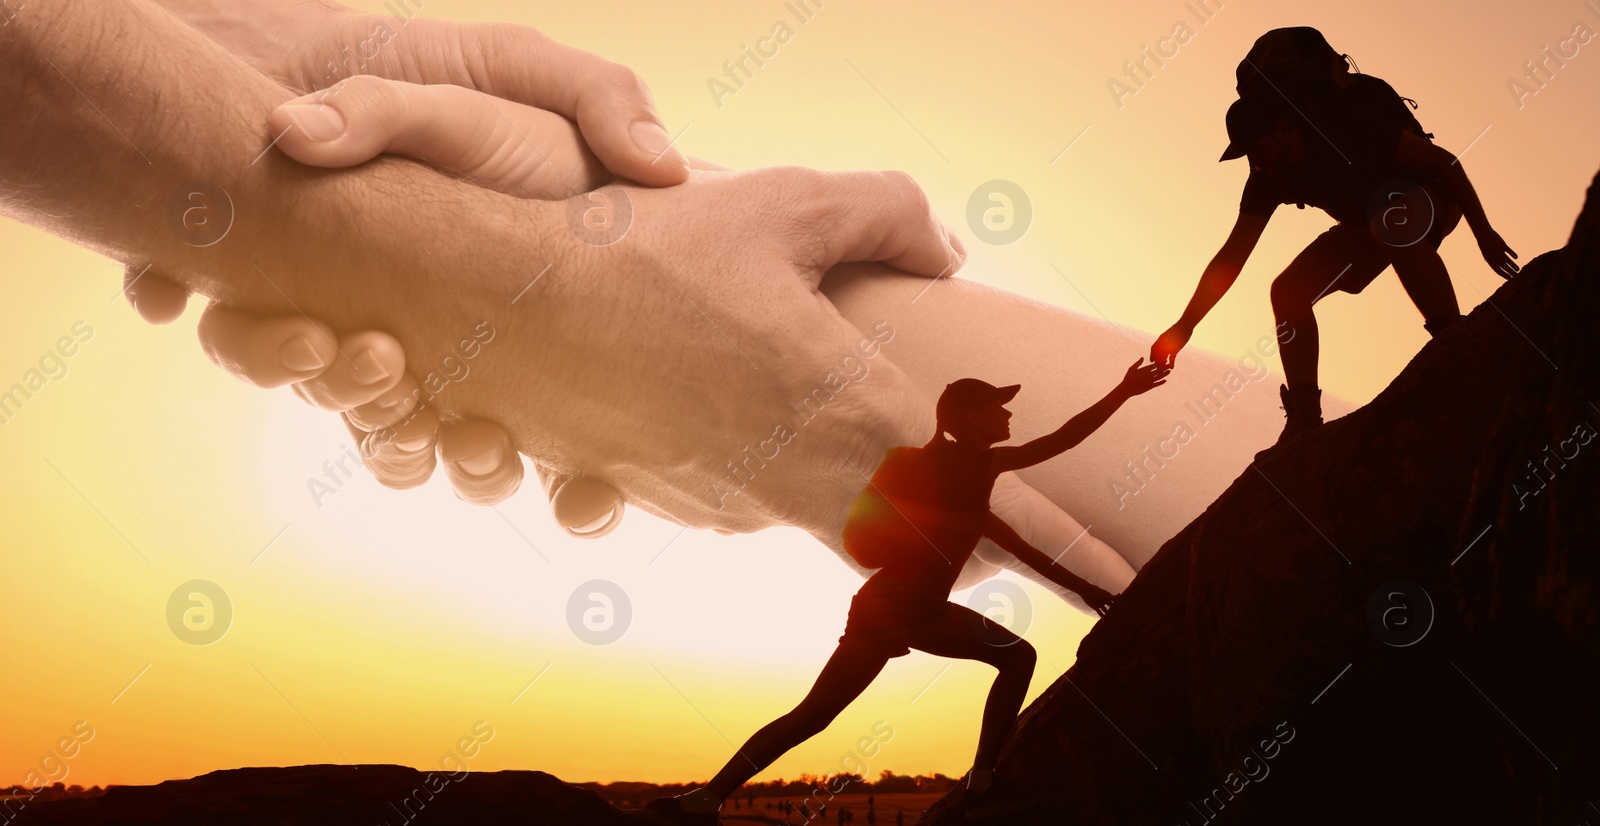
311	46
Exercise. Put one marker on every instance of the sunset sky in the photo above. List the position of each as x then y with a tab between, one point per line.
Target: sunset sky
378	626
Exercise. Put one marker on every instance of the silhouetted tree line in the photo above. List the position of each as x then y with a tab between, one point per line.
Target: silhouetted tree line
631	793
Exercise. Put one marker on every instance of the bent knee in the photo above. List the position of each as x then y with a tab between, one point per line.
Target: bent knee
1289	294
1019	656
809	721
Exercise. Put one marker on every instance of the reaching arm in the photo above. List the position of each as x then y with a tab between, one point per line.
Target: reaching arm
1138	379
1002	534
1219	275
1417	153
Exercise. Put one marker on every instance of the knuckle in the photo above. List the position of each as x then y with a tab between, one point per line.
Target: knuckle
906	189
367	92
626	82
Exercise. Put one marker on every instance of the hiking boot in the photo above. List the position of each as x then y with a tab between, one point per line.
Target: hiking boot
1439	325
671	810
1302	406
1002	797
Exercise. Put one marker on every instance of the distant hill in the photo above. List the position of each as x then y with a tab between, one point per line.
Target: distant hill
328	795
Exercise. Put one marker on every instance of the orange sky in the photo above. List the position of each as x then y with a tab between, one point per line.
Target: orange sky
380	626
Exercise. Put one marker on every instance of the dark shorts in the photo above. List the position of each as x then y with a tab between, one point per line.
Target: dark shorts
889	611
1354	250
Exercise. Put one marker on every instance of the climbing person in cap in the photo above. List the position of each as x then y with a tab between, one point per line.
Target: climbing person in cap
1316	133
917	522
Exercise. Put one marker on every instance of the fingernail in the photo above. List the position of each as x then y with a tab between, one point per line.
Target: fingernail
481	463
319	121
298	356
653	141
368	369
413	444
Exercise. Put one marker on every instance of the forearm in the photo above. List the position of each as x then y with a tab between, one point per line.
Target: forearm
116	105
1460	188
1068	435
961	328
170	106
1215	281
1011	542
1079	427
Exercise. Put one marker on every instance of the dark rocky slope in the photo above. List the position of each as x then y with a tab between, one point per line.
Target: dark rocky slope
1258	661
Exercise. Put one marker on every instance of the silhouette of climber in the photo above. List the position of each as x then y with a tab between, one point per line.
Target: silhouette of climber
918	521
1316	133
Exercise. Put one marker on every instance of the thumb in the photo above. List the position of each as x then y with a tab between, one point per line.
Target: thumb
869	216
506	146
610	103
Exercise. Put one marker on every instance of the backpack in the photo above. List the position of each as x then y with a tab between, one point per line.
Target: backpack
1298	65
874	528
896	517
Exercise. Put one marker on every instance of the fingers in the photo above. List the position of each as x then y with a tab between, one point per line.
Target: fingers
266	352
610	103
158	300
583	507
1508	267
399	457
507	146
480	461
874	216
362	370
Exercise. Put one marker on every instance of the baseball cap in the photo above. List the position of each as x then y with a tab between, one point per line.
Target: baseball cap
1249	120
966	395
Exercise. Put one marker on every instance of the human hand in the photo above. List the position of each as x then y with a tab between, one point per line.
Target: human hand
1142	378
306	46
291	41
1165	349
567	380
533	154
313	46
1497	253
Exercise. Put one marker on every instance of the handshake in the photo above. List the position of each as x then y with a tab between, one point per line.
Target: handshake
635	326
476	244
